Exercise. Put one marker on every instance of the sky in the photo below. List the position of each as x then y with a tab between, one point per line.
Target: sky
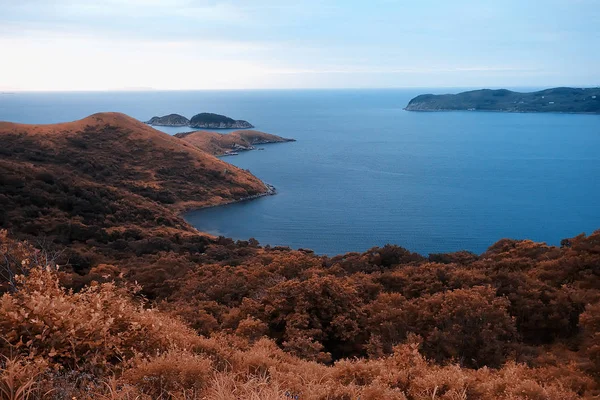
50	45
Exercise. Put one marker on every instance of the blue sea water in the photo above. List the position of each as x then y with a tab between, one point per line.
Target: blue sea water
364	173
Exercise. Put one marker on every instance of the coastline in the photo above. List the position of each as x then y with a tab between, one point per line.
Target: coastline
502	111
271	191
237	148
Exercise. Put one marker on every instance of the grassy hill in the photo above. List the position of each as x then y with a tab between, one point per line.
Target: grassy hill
107	178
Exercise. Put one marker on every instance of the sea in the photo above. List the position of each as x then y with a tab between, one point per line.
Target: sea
364	172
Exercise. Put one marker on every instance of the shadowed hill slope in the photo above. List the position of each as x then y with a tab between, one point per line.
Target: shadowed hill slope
106	175
119	151
219	144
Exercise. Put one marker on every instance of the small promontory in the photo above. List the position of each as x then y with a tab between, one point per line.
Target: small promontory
560	100
169	120
217	121
219	144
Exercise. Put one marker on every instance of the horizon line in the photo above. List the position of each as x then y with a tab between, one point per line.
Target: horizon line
133	90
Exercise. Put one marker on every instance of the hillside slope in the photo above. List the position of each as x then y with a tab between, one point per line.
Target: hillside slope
567	100
219	144
105	175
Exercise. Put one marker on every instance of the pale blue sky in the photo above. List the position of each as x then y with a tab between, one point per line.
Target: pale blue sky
203	44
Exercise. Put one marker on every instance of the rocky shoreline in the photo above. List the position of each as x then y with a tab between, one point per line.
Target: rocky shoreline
237	147
271	191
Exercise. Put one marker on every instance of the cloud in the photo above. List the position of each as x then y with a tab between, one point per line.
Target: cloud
170	44
392	70
132	18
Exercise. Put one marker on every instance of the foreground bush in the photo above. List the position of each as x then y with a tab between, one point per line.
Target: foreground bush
101	343
91	330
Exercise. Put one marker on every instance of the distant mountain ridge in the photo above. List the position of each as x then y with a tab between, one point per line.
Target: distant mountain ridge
561	100
200	121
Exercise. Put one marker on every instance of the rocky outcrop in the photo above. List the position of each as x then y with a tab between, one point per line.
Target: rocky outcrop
169	120
217	121
270	190
229	143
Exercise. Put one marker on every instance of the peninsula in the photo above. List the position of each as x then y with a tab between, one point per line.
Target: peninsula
558	100
228	144
200	121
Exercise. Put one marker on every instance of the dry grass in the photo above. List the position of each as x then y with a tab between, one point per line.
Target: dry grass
19	379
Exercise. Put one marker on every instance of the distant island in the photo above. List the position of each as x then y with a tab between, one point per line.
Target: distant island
200	121
558	100
229	144
169	120
216	121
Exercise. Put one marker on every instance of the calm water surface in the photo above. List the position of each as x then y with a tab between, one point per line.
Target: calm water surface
363	172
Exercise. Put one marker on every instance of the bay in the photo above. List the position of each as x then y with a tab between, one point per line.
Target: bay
364	173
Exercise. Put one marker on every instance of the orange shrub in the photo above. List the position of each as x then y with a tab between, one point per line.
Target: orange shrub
174	374
88	330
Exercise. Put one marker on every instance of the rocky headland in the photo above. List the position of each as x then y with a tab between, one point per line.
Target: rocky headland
230	143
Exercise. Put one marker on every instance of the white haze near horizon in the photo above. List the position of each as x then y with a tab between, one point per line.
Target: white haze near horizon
49	45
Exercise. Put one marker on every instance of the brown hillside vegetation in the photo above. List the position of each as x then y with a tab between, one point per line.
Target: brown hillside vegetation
114	296
102	343
115	150
219	144
108	179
